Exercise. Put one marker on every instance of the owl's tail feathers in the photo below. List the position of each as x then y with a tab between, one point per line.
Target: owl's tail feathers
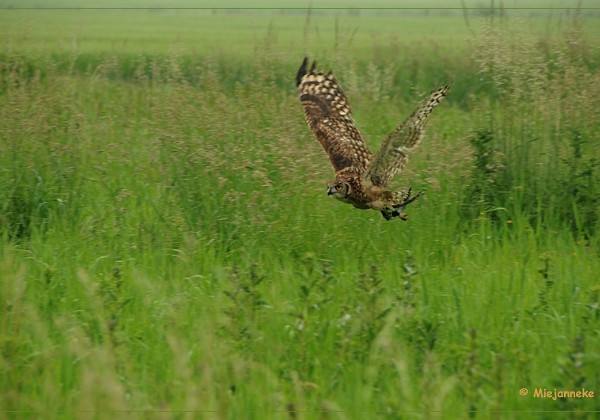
402	199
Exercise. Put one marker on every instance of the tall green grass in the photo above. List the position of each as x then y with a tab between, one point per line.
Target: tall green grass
536	152
167	244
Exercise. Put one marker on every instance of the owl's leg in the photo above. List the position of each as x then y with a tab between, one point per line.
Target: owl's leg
387	215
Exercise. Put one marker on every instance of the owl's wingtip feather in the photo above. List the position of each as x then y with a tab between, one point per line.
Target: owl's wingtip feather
301	71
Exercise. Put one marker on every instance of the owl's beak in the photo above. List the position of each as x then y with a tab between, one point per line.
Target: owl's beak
330	190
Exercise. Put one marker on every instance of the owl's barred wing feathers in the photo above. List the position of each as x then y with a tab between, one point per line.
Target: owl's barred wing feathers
329	116
392	156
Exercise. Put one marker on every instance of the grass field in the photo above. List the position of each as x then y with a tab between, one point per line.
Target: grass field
167	246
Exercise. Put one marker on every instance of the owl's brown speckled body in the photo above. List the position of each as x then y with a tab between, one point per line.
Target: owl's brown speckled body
361	179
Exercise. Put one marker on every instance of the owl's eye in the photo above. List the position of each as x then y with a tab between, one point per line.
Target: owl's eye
338	187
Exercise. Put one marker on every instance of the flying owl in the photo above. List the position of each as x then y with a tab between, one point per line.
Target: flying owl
360	179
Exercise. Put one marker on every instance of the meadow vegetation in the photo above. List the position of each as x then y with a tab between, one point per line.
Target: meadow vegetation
166	243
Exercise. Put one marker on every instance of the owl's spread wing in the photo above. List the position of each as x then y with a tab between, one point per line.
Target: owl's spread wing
328	115
393	153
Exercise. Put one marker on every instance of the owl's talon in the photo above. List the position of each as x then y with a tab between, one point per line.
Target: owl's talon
387	216
396	213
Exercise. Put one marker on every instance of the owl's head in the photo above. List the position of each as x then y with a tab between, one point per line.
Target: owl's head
338	189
